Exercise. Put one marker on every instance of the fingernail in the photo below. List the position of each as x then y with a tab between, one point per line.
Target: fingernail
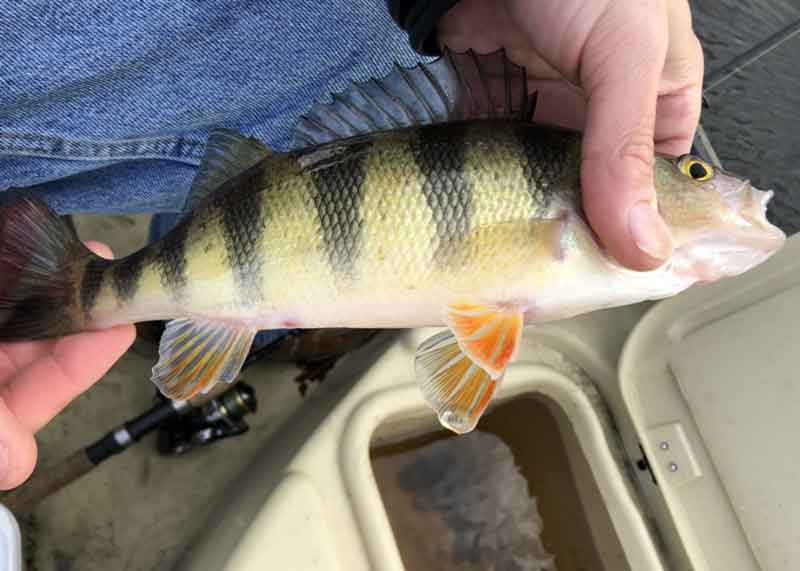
649	231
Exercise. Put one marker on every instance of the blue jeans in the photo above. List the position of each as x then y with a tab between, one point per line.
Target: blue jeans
105	106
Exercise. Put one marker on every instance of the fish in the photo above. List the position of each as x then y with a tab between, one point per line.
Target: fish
429	197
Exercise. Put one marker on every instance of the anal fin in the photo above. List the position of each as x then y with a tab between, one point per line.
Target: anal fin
196	354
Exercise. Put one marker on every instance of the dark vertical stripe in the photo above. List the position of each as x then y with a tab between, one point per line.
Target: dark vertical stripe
338	193
546	156
171	259
440	154
243	227
91	282
127	273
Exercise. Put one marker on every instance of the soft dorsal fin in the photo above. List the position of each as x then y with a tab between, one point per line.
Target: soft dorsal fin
227	155
456	86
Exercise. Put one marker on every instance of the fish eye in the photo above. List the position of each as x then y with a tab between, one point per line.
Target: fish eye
695	168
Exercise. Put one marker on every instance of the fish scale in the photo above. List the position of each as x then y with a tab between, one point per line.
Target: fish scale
394	211
171	261
243	222
338	194
127	276
439	154
545	160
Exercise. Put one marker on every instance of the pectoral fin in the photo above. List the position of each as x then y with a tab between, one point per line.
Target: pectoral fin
195	355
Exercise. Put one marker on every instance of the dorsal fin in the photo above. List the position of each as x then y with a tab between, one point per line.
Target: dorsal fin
227	155
456	86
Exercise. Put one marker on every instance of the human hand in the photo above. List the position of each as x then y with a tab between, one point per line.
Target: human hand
39	378
628	74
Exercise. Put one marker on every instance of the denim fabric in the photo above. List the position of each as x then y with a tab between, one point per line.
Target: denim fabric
105	106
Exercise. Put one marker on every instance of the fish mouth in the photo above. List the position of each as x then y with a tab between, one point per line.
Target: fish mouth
743	241
749	204
730	253
762	233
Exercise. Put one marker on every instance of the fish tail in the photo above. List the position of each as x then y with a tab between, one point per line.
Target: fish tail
42	262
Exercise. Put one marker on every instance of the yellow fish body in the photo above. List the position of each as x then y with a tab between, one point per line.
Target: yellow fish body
469	220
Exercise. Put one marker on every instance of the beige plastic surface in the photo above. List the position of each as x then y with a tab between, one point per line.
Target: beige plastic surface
293	531
712	381
319	506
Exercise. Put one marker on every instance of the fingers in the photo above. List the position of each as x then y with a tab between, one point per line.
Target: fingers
42	389
621	69
680	104
17	450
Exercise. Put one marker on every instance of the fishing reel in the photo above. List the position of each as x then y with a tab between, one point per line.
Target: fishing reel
220	418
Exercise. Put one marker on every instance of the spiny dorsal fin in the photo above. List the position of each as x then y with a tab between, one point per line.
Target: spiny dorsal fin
227	155
456	86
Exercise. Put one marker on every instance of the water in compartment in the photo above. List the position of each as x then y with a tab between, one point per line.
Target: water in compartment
517	493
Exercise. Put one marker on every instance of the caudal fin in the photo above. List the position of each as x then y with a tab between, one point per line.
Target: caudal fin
41	261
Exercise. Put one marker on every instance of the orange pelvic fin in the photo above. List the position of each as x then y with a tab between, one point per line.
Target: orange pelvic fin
488	334
452	384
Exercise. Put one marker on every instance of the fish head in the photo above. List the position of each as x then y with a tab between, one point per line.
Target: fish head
718	219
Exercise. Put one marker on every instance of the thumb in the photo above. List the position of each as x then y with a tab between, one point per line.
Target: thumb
621	67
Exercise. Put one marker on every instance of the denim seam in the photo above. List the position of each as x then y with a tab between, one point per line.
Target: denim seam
174	148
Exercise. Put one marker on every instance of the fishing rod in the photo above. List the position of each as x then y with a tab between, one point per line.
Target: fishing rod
220	417
185	425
